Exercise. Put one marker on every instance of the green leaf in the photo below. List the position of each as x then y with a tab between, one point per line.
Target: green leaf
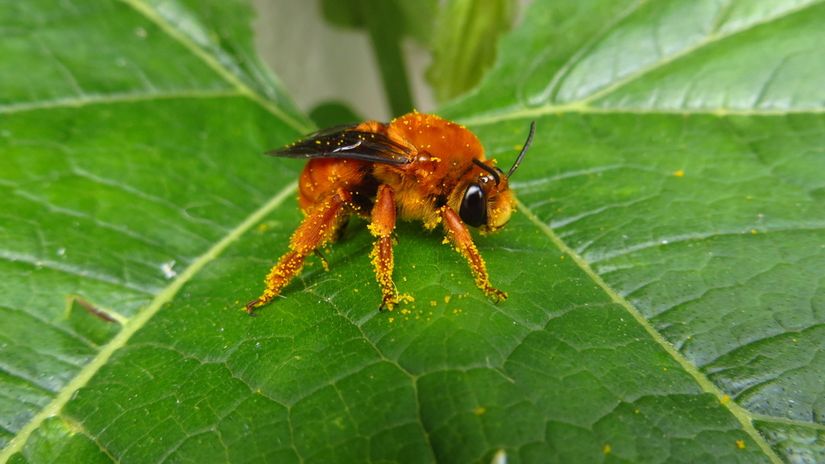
664	267
465	42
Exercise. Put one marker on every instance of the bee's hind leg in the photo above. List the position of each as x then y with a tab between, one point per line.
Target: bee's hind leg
381	227
462	240
318	228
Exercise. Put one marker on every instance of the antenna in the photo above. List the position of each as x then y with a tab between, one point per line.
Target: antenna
523	149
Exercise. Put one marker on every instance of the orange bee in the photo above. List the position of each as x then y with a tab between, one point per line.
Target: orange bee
417	167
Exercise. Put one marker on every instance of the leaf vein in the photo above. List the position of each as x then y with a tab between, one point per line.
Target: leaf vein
413	378
741	414
110	99
139	320
710	39
786	421
176	34
39	263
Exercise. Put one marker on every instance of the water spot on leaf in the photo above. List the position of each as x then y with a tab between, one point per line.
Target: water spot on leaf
167	269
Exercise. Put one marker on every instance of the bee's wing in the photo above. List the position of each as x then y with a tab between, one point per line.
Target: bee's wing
345	142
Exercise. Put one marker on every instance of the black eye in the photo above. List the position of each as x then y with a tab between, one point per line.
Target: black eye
474	206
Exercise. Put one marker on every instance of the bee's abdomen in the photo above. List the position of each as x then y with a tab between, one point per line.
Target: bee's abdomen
323	177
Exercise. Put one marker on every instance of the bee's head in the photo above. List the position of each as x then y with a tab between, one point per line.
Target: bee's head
487	202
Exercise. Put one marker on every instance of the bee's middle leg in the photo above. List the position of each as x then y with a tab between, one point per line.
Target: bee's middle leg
381	227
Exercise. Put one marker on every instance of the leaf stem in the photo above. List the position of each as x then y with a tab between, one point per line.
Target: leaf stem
386	44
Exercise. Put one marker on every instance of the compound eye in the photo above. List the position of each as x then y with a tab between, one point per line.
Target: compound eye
474	206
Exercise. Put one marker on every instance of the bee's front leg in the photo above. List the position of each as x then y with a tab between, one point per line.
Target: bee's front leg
318	228
381	227
462	240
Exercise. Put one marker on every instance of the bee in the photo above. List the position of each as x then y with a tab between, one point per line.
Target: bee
418	167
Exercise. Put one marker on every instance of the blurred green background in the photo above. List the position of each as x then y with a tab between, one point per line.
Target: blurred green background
342	59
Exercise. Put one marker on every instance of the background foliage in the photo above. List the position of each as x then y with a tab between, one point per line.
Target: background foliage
665	266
